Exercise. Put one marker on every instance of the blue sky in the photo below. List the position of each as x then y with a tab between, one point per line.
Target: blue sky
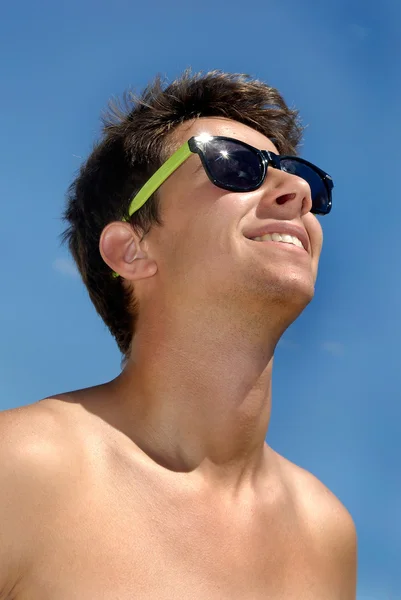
337	381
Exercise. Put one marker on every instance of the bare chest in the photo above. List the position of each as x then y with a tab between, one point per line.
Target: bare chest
111	540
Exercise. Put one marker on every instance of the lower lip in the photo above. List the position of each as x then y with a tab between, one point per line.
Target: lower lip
282	244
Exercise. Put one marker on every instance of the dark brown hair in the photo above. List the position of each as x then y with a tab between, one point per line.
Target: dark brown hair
135	143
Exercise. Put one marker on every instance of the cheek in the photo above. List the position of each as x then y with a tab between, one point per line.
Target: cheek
185	238
195	208
315	233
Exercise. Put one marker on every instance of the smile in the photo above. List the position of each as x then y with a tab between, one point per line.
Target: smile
279	237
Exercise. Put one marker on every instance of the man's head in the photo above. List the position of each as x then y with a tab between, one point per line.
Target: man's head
189	244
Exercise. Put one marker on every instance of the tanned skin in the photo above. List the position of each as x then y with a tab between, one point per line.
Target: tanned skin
160	484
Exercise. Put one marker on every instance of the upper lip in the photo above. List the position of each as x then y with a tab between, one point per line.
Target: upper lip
281	227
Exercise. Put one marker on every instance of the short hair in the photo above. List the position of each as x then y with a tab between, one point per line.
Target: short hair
135	142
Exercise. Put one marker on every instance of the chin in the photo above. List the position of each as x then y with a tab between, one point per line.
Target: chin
292	290
296	293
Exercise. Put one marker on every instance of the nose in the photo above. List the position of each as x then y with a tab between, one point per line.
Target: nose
288	193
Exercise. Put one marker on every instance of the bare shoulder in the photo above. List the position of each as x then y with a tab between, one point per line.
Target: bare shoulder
322	511
36	443
43	446
327	523
35	433
312	495
31	451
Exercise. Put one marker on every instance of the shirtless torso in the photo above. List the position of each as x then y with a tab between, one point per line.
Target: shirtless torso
88	516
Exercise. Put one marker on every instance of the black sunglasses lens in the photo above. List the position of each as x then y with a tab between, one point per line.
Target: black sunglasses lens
320	196
232	165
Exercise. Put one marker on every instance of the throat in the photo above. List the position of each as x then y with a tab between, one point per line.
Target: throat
184	425
197	406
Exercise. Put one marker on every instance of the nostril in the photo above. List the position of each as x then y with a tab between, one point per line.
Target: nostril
284	198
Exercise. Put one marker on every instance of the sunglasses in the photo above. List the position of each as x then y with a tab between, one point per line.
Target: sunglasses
238	167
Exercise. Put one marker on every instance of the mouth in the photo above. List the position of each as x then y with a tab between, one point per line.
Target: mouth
282	238
281	233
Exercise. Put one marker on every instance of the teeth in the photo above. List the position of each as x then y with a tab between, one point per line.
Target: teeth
279	237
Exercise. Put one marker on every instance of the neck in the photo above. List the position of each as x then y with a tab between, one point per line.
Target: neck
196	395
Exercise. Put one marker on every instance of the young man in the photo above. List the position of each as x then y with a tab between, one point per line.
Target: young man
159	484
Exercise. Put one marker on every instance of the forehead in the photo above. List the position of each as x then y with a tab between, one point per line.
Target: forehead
225	127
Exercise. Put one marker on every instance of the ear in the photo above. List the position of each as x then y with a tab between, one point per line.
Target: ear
121	250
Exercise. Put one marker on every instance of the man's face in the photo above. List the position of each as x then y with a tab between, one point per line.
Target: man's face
204	250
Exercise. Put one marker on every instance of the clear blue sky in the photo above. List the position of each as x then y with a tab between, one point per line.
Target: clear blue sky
337	383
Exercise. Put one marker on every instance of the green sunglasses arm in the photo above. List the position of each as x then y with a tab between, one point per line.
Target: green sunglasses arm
159	177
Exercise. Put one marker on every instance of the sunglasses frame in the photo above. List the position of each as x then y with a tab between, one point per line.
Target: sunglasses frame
195	145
